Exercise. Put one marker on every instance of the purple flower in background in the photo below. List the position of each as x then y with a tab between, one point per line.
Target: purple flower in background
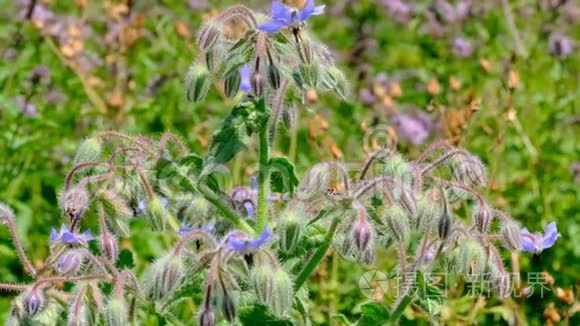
241	242
414	128
65	236
283	16
560	46
462	47
399	10
245	85
537	242
185	229
11	54
27	108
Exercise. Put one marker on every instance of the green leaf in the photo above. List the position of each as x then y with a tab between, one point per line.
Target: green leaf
341	319
374	313
284	178
245	119
260	315
125	259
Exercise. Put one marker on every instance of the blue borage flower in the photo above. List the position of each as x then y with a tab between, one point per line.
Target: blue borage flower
185	229
245	85
537	242
241	242
65	236
283	16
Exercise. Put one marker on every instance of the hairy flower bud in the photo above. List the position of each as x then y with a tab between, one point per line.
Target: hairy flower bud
338	82
232	83
229	308
289	232
289	116
75	202
156	214
511	235
468	258
444	225
408	202
197	82
164	275
69	263
310	74
482	217
109	246
257	82
90	150
283	292
397	222
362	232
116	313
427	209
274	76
208	36
469	170
6	213
399	169
264	283
33	301
305	51
207	317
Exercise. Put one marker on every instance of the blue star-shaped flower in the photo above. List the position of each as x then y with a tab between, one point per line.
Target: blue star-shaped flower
283	16
65	236
537	242
244	243
245	85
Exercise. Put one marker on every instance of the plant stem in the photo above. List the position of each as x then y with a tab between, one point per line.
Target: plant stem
263	181
222	207
318	255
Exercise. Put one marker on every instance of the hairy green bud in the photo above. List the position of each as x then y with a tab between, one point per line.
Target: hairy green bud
511	235
116	313
197	82
274	76
283	294
264	283
90	150
156	214
310	74
399	169
289	232
397	222
164	276
232	83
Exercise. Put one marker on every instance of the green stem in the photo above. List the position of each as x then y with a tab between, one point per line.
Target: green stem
225	209
317	257
263	181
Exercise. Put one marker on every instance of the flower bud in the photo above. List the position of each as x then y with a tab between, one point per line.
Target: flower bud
69	263
165	274
407	201
207	317
289	116
368	255
264	283
427	209
90	150
444	225
469	170
310	74
109	246
257	82
229	308
115	313
78	315
339	82
363	234
503	285
274	76
397	222
208	36
289	232
75	202
232	83
156	214
511	235
468	258
6	213
283	292
33	301
305	51
211	60
197	82
482	217
399	169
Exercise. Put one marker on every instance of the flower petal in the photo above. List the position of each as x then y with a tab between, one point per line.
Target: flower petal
307	11
551	228
550	237
69	238
263	238
280	12
245	85
271	27
319	10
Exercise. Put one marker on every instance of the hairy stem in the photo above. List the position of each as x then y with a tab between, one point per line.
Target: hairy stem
318	255
263	181
224	209
21	254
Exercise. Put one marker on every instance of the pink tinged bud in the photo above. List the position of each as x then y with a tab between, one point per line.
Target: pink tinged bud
109	246
229	308
207	317
482	217
75	202
69	263
511	235
470	170
503	285
208	37
33	301
362	233
397	223
257	82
